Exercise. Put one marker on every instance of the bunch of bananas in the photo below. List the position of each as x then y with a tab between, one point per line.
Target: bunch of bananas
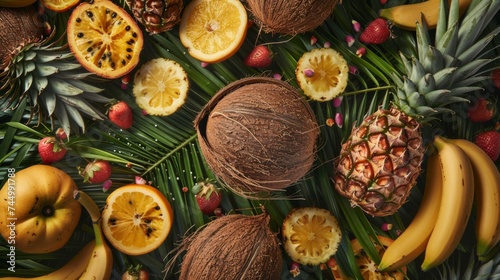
93	261
458	173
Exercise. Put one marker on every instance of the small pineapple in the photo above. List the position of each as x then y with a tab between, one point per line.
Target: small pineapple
379	163
156	15
39	70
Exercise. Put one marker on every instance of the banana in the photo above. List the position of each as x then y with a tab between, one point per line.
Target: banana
406	16
101	262
71	270
487	195
16	3
456	203
412	242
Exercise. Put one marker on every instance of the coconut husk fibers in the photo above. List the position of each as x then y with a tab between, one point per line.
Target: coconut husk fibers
258	135
18	28
233	247
290	17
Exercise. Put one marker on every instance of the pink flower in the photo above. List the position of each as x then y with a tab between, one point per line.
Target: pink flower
314	40
356	25
339	119
349	40
140	181
337	101
106	185
360	52
353	70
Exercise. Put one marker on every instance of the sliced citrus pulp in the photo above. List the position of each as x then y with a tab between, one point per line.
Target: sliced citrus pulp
311	235
322	74
136	219
59	5
160	86
104	38
368	267
213	30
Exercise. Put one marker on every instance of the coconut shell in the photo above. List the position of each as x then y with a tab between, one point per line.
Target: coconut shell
18	28
290	17
258	135
233	247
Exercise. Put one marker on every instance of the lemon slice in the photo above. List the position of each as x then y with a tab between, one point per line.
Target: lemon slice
213	30
136	219
322	74
160	86
310	235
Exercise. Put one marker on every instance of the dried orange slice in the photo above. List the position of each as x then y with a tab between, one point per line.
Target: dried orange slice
367	267
310	235
104	38
136	219
59	5
160	86
213	30
322	74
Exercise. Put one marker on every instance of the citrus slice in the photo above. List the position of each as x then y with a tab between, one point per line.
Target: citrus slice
104	38
367	267
136	219
322	74
213	30
160	86
59	5
310	235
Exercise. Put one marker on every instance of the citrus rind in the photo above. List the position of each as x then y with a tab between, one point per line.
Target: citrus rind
160	86
322	74
213	30
311	235
136	219
59	5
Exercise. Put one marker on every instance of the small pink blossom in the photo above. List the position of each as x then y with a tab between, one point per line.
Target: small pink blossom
204	64
339	119
314	40
353	70
337	101
106	185
383	2
140	181
349	39
277	76
144	113
308	72
356	25
327	44
360	52
386	227
295	269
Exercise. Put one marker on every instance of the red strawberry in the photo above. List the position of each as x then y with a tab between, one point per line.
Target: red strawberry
482	111
96	172
121	115
495	77
207	196
51	149
376	32
489	141
259	57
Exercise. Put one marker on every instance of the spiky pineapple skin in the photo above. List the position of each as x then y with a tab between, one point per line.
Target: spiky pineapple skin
156	15
380	162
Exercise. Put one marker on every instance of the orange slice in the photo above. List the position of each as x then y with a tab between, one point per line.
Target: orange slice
322	74
136	219
213	30
59	5
160	86
311	235
104	38
367	267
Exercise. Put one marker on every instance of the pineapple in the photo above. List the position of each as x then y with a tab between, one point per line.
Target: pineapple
44	73
380	161
156	15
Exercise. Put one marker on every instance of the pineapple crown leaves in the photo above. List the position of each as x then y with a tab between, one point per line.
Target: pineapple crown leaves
55	84
444	72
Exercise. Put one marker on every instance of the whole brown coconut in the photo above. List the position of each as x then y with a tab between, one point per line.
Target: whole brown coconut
18	28
258	135
290	17
233	247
